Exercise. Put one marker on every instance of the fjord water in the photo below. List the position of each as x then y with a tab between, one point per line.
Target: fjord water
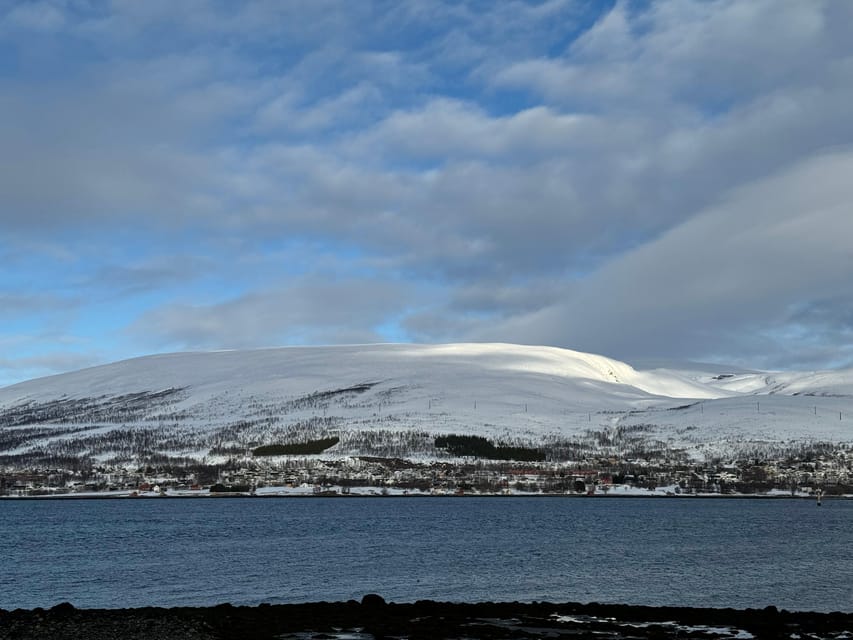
685	552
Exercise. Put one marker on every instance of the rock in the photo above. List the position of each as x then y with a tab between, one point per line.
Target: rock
63	609
372	600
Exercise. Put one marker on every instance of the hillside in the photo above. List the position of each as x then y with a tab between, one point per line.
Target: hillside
393	400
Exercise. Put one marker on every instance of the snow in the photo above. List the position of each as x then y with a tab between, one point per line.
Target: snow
500	391
301	370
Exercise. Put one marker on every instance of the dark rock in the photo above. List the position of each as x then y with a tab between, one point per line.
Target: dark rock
63	608
372	600
422	620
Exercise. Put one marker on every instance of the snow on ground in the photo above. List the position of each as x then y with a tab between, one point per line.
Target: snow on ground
499	391
303	370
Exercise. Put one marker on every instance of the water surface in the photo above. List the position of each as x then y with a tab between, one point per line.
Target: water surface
687	552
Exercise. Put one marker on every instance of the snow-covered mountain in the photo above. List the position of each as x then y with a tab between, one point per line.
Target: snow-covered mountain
393	399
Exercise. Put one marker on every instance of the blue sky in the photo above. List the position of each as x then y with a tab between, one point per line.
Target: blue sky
661	179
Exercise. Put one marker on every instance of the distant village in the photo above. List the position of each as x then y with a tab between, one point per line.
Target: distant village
828	473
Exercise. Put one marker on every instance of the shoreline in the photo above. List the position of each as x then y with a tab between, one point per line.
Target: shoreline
373	618
326	495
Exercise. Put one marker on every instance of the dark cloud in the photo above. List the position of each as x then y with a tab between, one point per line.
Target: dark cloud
721	284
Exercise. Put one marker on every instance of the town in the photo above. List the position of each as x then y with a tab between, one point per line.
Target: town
818	470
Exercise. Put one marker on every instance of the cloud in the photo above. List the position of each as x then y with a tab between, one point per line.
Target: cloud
46	364
727	283
155	274
673	54
284	112
506	161
305	311
18	304
36	354
35	16
109	162
450	129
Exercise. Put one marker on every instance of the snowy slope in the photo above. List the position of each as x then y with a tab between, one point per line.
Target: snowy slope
300	370
240	399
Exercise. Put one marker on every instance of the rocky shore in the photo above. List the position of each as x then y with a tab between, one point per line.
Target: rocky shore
374	619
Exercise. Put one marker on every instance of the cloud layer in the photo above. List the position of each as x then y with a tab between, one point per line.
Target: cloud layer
664	179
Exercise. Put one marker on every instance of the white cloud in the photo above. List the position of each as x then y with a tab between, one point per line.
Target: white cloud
448	129
285	112
672	54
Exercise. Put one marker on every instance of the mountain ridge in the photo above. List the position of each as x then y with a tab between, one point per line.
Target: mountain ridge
204	405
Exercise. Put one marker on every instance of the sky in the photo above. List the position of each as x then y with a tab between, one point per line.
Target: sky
667	180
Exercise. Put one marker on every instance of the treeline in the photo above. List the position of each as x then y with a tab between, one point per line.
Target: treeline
479	447
130	407
13	438
311	447
318	400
